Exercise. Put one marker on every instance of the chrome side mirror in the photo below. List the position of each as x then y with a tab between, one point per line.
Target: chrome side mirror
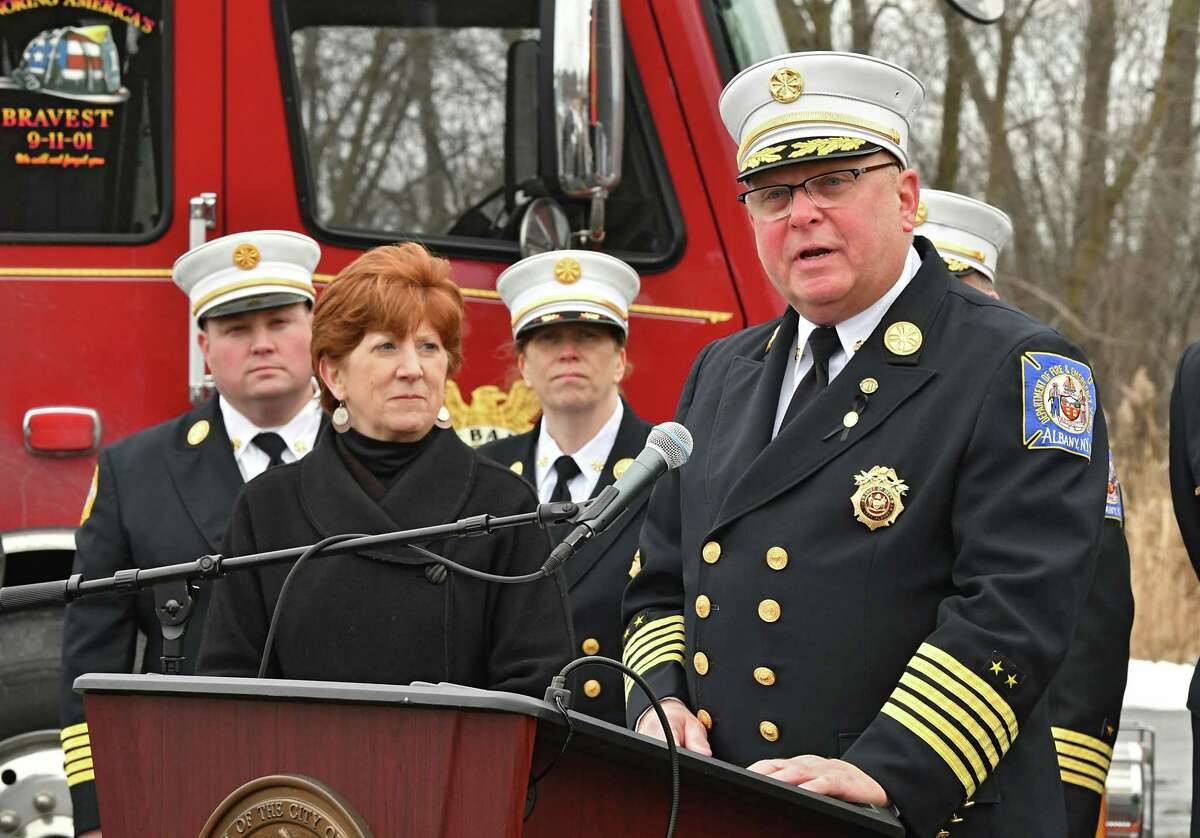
583	77
544	227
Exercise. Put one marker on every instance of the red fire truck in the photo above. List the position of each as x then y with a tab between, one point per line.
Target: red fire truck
131	131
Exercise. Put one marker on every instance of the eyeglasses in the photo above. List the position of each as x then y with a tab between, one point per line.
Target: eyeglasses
826	191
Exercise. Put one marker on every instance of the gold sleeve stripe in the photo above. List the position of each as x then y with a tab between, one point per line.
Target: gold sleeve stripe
651	630
935	742
674	652
942	725
73	730
1078	738
81	777
960	715
974	682
76	742
1082	753
1079	780
990	720
652	649
649	641
1068	764
77	765
75	756
667	657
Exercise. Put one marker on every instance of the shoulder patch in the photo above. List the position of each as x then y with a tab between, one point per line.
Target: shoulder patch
1114	505
91	496
1058	399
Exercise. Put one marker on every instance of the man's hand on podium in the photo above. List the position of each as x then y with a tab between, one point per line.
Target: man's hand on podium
687	730
831	777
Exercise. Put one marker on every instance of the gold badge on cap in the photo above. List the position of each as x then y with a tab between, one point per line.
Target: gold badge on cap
877	501
922	214
198	432
786	85
567	270
902	338
621	467
246	256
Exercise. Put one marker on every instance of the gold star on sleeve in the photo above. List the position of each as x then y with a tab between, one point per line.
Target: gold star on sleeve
1011	681
996	668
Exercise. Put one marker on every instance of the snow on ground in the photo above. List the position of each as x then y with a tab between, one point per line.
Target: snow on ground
1158	685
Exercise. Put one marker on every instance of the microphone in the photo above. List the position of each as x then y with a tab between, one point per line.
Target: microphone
667	447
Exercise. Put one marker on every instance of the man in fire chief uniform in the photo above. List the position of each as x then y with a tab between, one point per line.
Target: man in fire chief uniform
1086	695
865	577
570	314
1184	467
164	494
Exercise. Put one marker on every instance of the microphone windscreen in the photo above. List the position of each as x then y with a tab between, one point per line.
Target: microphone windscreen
673	441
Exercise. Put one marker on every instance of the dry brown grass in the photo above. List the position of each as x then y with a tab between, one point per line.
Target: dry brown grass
1165	589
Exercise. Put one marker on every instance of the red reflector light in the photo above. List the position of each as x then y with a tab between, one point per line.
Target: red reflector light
62	431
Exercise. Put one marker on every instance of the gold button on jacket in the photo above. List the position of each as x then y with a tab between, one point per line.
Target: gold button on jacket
703	606
711	552
705	718
769	731
591	646
700	663
777	558
769	610
591	688
764	675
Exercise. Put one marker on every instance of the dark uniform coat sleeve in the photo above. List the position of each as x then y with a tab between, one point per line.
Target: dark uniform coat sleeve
382	615
597	574
1185	494
896	590
1088	691
157	499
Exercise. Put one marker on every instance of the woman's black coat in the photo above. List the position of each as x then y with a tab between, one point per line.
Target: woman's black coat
375	616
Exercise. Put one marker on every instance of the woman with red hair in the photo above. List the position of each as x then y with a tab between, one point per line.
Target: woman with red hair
387	332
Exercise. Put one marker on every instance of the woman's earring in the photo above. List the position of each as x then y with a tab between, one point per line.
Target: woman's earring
443	418
341	418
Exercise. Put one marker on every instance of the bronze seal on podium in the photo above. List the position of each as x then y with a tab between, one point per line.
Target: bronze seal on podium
284	804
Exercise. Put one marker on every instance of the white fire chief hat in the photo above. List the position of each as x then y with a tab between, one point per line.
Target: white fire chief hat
564	286
247	272
968	234
819	105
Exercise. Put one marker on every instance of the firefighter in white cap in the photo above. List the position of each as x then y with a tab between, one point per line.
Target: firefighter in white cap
164	495
570	321
1086	695
867	573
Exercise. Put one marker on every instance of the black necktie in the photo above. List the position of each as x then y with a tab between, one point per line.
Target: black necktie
823	343
567	469
273	445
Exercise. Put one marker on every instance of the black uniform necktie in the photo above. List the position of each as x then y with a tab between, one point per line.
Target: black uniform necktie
567	469
274	446
823	343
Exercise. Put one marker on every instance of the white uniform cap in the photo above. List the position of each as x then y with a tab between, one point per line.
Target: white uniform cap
563	286
818	105
247	272
969	234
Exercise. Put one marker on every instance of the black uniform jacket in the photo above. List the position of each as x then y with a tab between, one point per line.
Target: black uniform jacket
918	650
597	574
158	500
1185	471
1088	691
376	616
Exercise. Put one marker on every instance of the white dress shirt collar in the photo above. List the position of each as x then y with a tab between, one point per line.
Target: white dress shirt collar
299	434
590	459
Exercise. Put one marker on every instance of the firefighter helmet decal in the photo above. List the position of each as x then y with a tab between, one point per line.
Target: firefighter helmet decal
73	62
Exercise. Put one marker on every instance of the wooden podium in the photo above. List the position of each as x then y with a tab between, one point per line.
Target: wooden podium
437	761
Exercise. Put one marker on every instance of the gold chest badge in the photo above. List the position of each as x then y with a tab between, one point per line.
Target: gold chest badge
877	500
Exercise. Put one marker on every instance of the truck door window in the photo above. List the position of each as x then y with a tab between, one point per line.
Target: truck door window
82	107
398	129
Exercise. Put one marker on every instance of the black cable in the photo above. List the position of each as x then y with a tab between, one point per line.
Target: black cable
557	691
287	581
